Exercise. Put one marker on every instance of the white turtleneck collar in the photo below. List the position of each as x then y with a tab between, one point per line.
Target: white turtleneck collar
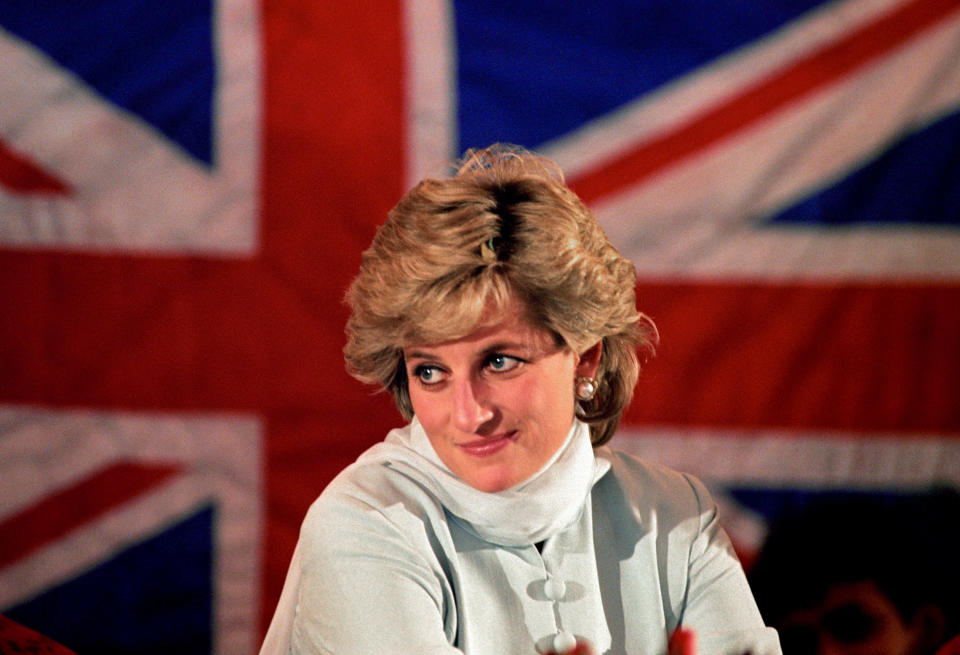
543	505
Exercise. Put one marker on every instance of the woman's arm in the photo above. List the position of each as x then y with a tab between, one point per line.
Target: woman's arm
719	604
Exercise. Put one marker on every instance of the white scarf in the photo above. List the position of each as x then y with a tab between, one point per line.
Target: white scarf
540	507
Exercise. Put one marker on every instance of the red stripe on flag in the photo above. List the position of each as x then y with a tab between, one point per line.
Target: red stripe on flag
69	508
20	176
805	76
155	334
809	357
332	168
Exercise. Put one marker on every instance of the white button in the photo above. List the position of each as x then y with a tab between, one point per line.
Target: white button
563	642
554	589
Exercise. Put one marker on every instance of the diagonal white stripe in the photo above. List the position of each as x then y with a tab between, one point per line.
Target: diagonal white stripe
133	189
704	217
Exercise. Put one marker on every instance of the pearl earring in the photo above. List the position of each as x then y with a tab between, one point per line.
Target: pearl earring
586	388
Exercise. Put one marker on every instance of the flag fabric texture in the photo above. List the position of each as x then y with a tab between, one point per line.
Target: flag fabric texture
186	188
15	638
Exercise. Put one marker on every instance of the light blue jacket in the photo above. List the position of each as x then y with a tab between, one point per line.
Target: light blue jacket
385	568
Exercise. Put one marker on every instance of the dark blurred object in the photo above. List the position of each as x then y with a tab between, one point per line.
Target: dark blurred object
863	575
15	638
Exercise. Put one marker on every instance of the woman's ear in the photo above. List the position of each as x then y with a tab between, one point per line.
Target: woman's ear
589	360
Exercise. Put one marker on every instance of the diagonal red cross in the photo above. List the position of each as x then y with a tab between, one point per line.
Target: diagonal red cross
264	335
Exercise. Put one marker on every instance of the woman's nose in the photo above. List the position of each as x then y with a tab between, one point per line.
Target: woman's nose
471	407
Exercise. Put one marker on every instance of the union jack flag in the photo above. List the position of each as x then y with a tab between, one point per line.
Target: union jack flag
185	189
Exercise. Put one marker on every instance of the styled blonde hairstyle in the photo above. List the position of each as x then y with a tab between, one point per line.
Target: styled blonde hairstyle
453	254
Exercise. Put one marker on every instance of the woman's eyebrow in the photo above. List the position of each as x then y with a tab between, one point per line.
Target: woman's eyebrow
418	354
490	349
507	345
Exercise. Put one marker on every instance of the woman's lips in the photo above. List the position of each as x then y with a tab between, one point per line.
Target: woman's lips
488	445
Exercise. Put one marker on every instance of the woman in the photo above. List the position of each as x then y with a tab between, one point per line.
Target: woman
497	313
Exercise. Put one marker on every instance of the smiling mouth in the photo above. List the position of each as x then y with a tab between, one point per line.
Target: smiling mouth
489	445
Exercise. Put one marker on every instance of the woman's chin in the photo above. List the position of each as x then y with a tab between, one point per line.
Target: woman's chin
493	480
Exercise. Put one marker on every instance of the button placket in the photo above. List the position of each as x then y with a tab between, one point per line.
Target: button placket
554	590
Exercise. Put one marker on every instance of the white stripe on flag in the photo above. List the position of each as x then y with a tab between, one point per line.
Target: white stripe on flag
45	450
799	459
431	97
132	189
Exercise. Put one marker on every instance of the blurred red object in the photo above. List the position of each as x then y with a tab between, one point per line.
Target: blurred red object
952	647
683	641
582	647
15	638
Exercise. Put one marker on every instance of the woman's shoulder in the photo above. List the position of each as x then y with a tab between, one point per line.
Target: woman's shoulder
371	510
649	484
369	524
370	489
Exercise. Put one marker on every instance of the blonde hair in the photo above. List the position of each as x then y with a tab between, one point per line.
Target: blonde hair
454	252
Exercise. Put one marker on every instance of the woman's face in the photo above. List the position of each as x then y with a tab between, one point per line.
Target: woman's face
498	403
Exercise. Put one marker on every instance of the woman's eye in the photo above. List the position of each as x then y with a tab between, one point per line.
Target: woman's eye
502	363
428	374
